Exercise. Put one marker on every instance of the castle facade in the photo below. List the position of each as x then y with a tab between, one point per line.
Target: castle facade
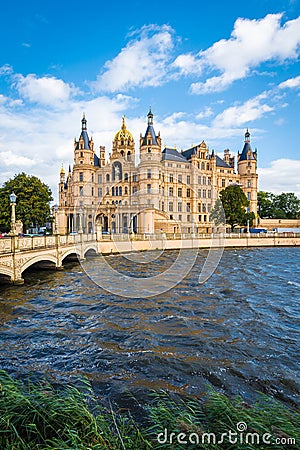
167	190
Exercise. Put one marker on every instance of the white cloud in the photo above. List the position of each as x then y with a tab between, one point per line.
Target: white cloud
207	112
291	83
143	62
252	42
281	176
45	90
6	69
8	158
249	111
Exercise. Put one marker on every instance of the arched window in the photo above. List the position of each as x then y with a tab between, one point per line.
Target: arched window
107	177
113	191
202	166
122	142
126	190
122	152
126	177
120	190
117	191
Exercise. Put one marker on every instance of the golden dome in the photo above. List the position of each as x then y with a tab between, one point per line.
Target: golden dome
62	170
123	134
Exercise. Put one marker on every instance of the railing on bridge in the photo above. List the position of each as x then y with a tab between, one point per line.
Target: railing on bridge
9	244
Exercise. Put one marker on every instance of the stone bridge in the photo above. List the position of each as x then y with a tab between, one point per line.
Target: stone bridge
19	253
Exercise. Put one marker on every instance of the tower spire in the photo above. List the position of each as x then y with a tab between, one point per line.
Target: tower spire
83	123
150	117
247	136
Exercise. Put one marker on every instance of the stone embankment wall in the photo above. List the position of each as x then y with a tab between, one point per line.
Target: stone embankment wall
108	247
269	224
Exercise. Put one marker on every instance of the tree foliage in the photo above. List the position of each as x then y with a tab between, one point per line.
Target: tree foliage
234	203
33	198
283	206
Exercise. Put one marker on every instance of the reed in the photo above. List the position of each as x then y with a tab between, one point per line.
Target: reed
39	416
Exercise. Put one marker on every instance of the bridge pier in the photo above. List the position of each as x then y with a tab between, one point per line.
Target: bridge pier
18	281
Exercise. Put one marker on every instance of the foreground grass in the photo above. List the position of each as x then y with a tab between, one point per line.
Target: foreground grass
37	416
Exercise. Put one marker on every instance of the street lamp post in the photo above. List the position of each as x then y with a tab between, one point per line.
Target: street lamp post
55	209
80	231
13	199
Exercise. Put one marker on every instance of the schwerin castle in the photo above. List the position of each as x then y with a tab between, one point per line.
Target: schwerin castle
167	190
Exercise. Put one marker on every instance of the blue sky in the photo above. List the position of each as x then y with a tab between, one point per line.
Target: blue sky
208	69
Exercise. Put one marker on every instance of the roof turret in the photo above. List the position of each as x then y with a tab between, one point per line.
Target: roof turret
150	130
84	134
247	150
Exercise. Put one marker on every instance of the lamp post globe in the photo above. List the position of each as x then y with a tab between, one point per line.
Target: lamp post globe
13	199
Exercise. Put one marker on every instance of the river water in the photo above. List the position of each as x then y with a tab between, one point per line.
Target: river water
238	332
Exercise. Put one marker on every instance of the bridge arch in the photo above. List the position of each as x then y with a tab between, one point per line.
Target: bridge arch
90	247
37	259
4	270
70	251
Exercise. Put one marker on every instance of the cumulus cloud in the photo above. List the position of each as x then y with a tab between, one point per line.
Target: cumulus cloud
281	176
291	83
44	90
252	42
8	158
249	111
6	69
143	62
207	112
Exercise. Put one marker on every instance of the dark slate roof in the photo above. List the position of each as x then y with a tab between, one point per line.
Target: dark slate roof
152	132
243	155
189	152
221	163
85	137
171	154
96	160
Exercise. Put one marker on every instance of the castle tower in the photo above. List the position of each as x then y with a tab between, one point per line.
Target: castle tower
150	144
247	169
84	147
123	143
150	165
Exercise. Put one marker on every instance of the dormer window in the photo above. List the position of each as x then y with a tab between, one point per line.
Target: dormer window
149	141
149	150
81	154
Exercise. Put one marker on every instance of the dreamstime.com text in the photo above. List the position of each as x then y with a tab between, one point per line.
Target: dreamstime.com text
241	436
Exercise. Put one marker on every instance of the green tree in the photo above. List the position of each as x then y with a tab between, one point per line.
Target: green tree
33	198
234	203
288	205
283	206
265	204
